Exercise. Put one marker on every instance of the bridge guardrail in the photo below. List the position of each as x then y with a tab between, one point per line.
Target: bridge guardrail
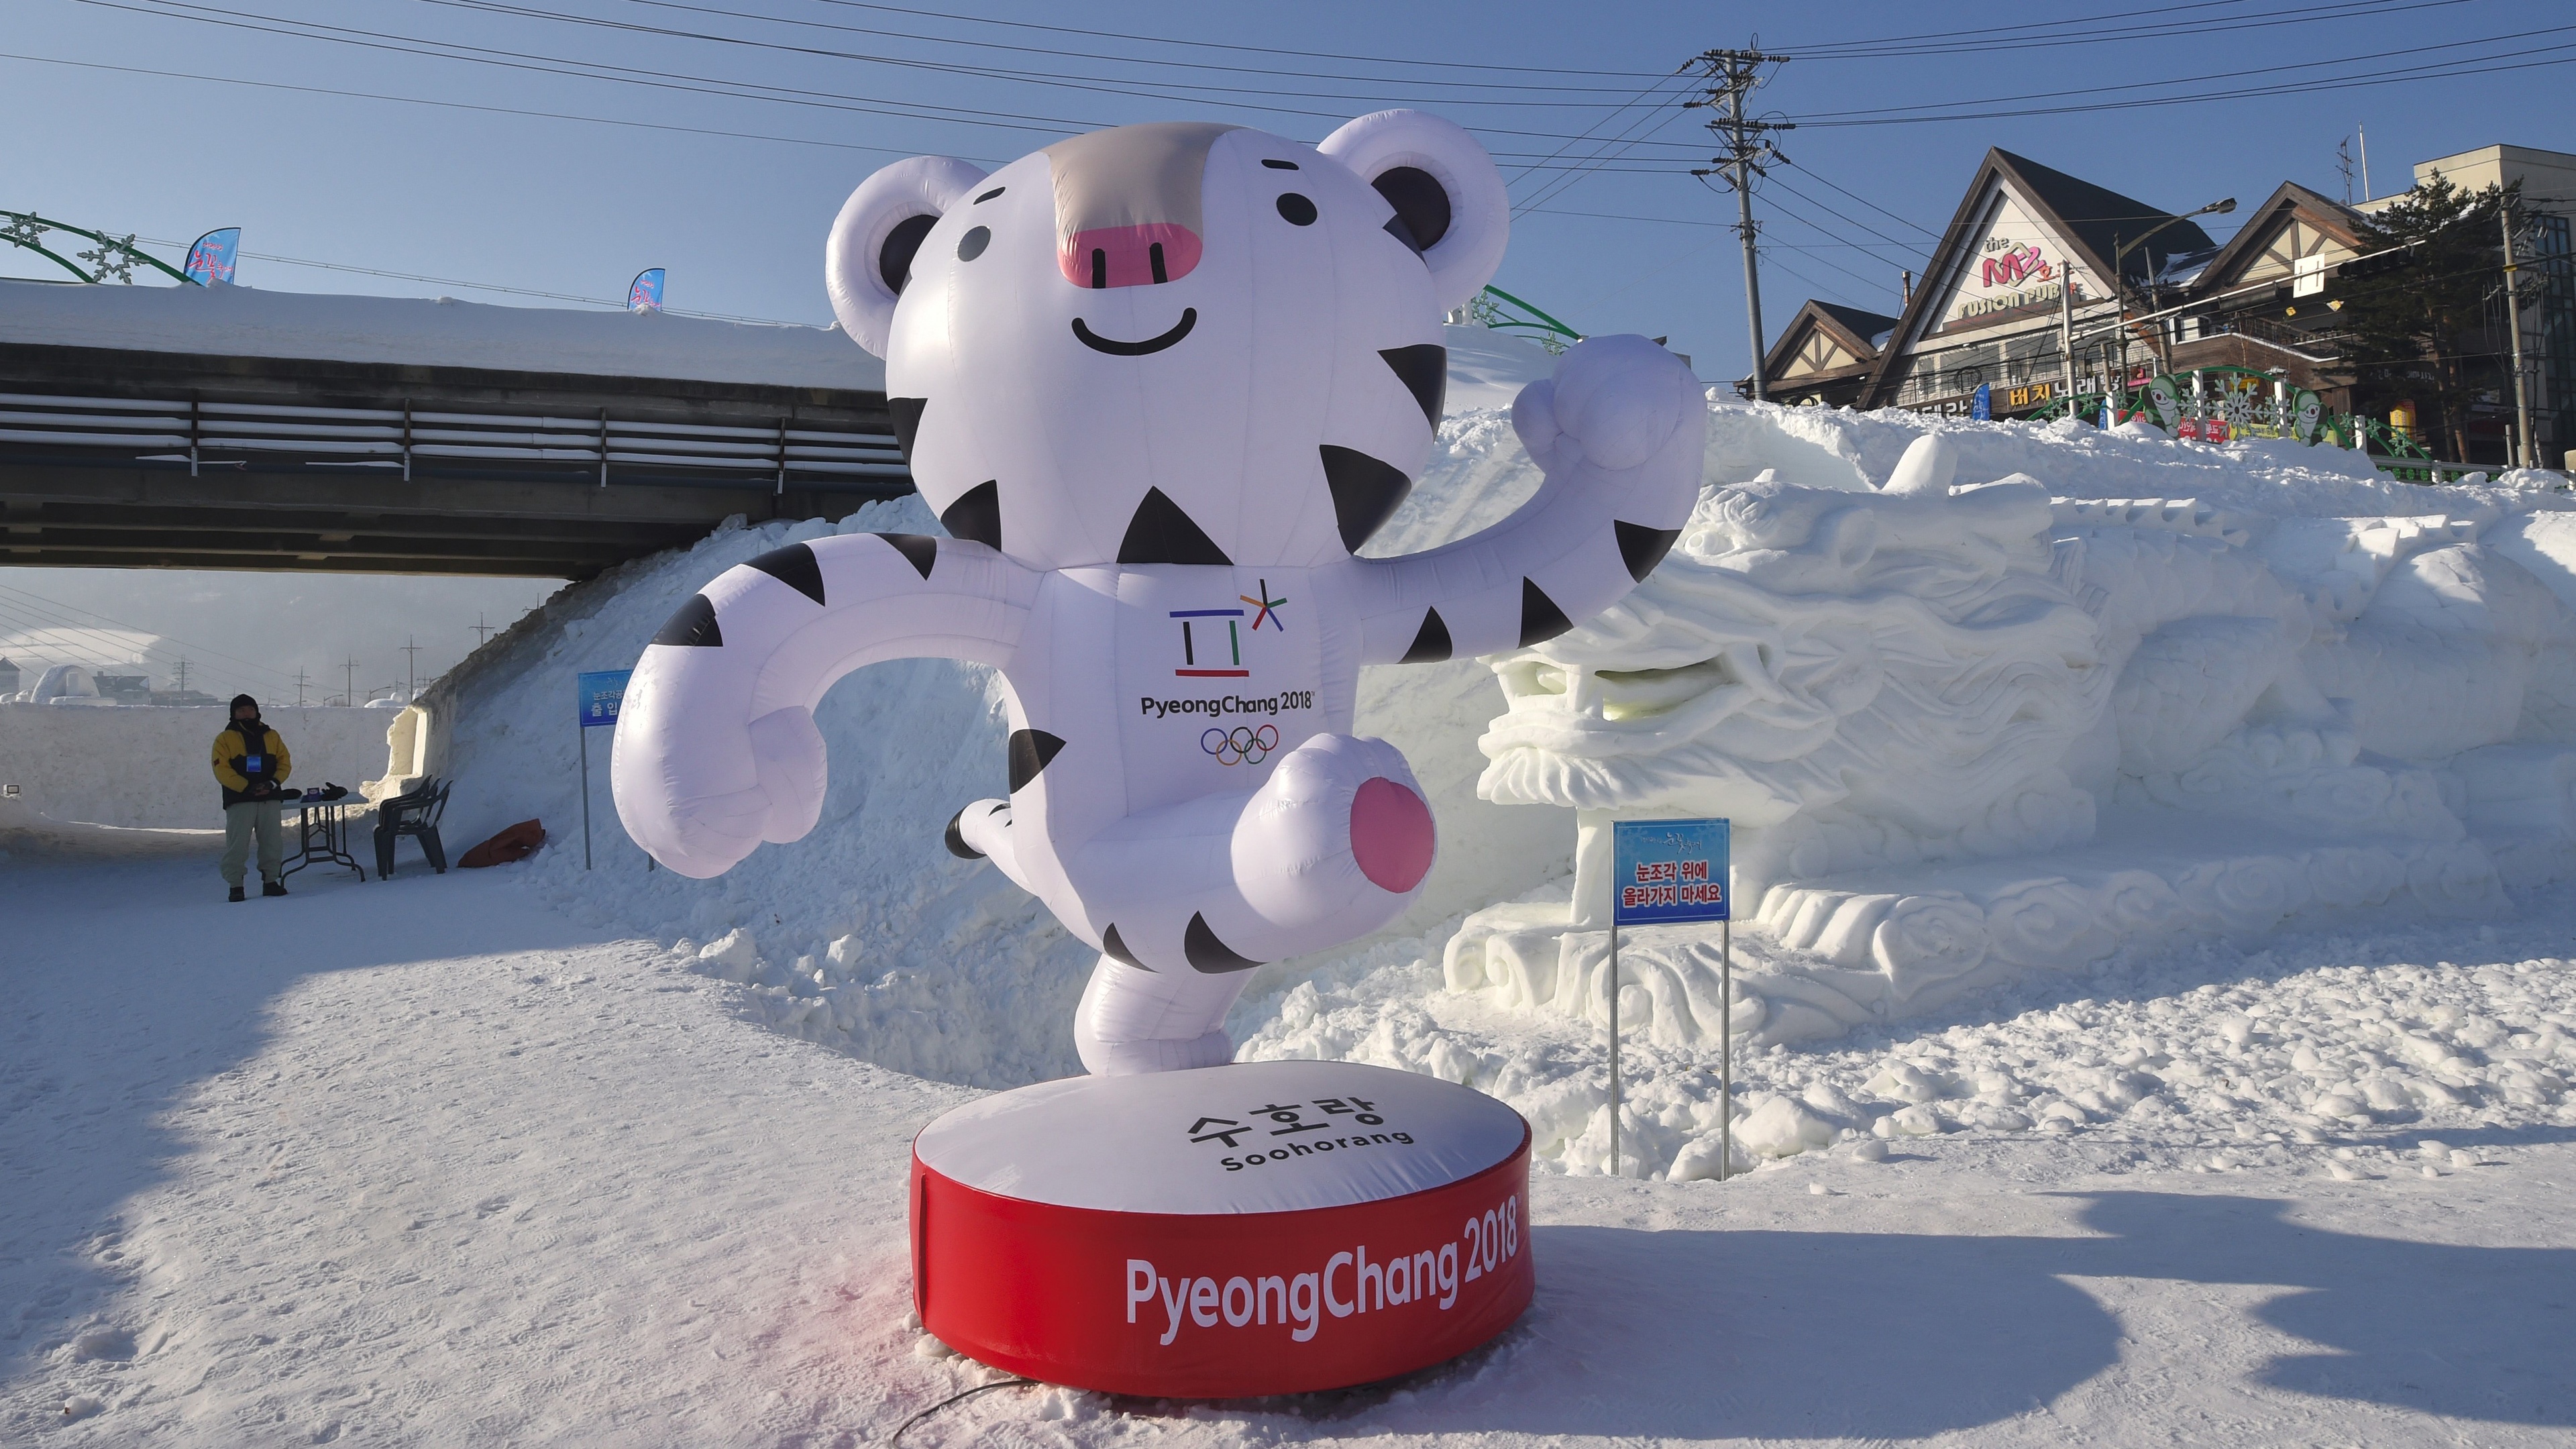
810	453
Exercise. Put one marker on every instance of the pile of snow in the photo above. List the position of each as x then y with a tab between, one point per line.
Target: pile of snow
146	767
868	938
2207	1057
426	332
1488	369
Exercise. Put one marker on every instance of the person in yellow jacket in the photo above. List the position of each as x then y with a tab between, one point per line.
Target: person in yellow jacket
251	762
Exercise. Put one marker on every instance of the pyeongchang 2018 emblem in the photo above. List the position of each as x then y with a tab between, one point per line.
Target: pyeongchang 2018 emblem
1223	654
1241	745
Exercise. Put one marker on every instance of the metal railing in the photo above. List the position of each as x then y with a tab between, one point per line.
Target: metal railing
205	432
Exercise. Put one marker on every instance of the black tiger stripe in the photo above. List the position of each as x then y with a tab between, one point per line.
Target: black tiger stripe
1208	954
1541	619
918	549
693	626
1116	950
1641	548
1431	642
1031	752
794	566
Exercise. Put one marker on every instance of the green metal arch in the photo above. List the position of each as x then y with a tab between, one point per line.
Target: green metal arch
1488	311
26	229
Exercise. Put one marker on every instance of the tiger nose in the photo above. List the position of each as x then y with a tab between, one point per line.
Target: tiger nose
1129	256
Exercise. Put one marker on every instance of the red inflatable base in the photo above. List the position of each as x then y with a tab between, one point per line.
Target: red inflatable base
1216	1302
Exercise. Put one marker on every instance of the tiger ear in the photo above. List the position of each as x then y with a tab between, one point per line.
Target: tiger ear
869	254
1448	198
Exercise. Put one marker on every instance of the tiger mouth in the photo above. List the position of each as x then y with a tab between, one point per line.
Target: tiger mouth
1116	348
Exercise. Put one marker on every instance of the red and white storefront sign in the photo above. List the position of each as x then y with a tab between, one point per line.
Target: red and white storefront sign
1258	1228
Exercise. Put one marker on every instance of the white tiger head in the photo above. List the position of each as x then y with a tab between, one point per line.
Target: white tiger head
1171	343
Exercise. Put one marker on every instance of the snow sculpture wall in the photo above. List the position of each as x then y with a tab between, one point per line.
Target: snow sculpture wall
1161	383
1971	731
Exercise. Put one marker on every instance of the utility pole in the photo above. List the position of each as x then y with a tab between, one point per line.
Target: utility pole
411	668
2363	132
349	685
2066	327
183	674
1732	74
483	631
2513	323
299	687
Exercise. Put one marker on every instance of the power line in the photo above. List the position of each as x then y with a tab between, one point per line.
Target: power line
2265	70
1909	248
1823	260
1865	201
509	59
1223	45
483	286
1042	77
465	106
623	75
1628	139
2441	70
2161	28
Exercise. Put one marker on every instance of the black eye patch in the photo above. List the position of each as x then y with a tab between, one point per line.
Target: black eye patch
894	257
1296	209
1278	165
972	244
1421	206
989	195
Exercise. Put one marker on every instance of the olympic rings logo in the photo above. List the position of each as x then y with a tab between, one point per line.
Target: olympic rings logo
1241	745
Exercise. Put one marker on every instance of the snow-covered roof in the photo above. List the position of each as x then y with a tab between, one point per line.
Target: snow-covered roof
431	332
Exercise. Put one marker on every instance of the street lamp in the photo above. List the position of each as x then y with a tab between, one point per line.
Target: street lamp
2119	278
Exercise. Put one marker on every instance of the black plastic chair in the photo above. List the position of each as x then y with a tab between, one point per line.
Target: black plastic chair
415	814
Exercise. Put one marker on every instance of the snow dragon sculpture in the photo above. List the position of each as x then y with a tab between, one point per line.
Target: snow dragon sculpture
1161	383
1965	732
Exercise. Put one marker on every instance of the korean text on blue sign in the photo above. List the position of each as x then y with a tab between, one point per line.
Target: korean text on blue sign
211	257
644	294
601	693
1668	871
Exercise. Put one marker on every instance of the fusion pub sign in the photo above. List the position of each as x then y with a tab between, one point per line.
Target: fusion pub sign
1669	871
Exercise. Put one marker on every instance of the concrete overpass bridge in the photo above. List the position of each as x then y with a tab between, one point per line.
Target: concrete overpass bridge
186	427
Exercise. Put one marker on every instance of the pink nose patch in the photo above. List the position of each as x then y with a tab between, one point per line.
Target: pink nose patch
1391	835
1129	256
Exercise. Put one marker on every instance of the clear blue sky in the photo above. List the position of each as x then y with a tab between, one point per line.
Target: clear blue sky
576	207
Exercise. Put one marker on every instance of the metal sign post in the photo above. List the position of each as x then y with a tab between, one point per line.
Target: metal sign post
599	694
1671	872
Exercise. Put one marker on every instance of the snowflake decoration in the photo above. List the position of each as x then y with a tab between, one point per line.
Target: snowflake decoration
113	258
22	230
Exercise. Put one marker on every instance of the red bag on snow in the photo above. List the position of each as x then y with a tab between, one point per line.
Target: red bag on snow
516	843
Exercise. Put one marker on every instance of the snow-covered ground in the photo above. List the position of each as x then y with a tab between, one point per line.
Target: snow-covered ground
428	1162
565	1155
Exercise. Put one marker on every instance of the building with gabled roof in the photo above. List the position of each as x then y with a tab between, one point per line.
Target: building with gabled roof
1993	307
2246	299
2042	276
1825	355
